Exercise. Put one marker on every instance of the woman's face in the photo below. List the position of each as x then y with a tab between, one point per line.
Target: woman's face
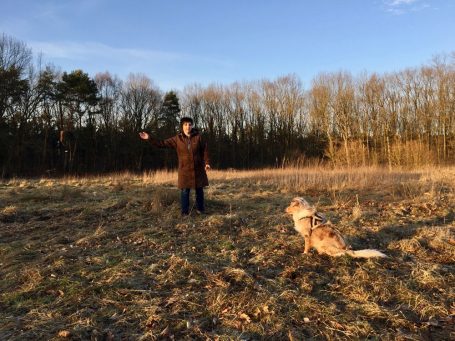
187	126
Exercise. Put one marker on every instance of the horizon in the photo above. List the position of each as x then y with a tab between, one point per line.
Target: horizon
178	44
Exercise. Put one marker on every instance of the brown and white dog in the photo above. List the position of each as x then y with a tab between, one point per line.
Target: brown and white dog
320	234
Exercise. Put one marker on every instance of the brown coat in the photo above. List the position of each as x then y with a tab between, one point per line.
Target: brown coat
192	154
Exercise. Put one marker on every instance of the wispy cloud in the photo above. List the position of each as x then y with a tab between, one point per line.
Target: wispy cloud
401	2
94	57
398	7
90	50
53	15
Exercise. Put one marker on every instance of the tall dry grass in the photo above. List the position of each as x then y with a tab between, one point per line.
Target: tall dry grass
324	178
299	179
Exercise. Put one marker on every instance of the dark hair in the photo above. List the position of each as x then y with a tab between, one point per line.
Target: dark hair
186	119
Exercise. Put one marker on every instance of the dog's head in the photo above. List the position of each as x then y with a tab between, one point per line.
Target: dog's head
301	207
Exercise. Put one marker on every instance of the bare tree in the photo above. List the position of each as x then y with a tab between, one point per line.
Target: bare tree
109	88
320	111
343	106
15	60
14	54
140	102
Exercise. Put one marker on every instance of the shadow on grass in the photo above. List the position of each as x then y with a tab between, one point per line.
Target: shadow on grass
391	233
169	277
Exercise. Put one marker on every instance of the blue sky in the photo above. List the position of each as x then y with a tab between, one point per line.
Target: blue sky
181	42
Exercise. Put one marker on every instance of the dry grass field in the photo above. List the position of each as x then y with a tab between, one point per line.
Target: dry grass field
110	258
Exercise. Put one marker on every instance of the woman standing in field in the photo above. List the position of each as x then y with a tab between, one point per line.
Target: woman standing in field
193	160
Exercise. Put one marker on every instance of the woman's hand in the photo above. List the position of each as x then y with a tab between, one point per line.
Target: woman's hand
143	135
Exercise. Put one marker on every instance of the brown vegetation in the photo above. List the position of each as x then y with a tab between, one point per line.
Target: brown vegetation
110	258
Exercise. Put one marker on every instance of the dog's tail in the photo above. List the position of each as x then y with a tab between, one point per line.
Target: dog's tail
366	253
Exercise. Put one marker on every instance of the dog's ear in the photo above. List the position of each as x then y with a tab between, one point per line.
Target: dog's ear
295	202
302	202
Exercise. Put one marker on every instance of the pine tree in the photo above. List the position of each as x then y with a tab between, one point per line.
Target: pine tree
168	122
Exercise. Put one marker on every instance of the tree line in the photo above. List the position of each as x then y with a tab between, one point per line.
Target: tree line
54	122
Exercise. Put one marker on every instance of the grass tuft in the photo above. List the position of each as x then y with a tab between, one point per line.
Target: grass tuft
109	257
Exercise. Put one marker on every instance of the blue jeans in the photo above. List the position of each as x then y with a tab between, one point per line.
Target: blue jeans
185	200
